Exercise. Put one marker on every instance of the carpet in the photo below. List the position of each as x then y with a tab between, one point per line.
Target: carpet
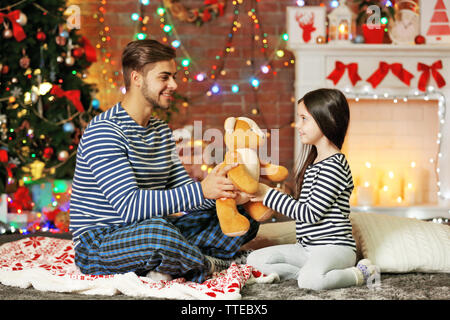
393	287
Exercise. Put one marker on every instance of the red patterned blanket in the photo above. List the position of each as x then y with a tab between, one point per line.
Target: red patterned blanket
47	264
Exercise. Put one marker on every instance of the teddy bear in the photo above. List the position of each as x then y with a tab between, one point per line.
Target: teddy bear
243	137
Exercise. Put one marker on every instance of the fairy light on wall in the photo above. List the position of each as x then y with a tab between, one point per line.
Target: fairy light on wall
102	45
191	71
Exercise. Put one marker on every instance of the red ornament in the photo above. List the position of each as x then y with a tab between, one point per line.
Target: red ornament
48	152
5	69
78	52
41	36
420	39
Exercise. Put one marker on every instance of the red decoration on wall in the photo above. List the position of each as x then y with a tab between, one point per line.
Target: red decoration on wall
425	77
339	70
439	25
306	23
397	69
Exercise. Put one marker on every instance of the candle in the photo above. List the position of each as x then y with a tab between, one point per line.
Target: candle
394	182
409	193
343	31
384	196
365	194
416	177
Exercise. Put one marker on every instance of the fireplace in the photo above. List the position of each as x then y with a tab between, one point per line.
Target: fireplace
398	144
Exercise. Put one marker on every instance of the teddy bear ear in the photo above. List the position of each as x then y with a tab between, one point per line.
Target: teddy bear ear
229	124
254	126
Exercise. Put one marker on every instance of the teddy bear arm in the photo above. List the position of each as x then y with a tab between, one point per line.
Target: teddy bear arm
274	173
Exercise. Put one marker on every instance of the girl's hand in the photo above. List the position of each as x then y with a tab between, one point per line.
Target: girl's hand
241	198
262	191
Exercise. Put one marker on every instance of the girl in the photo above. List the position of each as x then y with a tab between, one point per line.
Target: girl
324	255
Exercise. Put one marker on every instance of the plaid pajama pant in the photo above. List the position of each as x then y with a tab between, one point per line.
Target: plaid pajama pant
170	245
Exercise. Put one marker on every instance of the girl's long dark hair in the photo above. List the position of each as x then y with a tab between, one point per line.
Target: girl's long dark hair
330	110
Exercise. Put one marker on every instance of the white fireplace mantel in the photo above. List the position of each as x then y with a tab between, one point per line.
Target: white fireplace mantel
314	62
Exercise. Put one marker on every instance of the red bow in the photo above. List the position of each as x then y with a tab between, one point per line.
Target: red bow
396	68
89	50
339	70
425	77
206	15
18	32
72	95
3	156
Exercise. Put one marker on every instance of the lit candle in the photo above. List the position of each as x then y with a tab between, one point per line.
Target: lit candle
343	31
393	181
409	193
365	194
384	196
414	176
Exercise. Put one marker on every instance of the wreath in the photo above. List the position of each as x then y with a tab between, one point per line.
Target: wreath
210	9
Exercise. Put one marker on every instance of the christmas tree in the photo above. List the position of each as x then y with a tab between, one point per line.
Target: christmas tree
45	102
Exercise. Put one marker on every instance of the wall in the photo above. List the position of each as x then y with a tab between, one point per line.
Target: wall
275	94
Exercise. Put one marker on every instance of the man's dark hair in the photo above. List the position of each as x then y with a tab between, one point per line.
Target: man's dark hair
139	53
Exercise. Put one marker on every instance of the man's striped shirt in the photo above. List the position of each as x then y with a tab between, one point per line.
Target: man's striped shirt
126	173
321	213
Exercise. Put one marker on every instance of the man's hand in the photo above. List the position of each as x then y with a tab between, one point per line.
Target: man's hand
263	189
216	185
241	198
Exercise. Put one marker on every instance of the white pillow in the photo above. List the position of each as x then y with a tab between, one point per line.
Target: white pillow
398	244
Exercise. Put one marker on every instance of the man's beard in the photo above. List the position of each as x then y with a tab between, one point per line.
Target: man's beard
150	100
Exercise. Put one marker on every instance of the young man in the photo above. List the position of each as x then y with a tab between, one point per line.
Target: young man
129	180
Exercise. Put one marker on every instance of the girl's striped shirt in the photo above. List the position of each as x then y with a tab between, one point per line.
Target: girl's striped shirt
321	213
126	173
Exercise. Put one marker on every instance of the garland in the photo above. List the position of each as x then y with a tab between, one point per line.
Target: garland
210	9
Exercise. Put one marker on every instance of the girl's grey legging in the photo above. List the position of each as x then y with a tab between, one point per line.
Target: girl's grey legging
314	267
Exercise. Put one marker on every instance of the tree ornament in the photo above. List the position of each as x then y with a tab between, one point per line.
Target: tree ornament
25	151
60	59
63	155
24	62
36	169
22	19
7	33
68	127
78	52
70	61
41	36
48	152
5	69
61	41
